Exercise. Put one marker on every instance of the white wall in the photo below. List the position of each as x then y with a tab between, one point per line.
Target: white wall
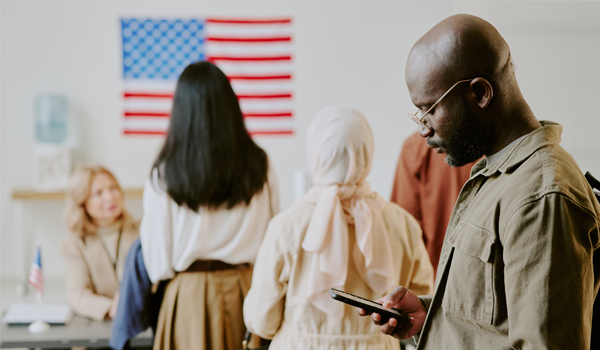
345	53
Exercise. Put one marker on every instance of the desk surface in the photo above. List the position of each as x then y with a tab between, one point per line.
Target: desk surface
80	332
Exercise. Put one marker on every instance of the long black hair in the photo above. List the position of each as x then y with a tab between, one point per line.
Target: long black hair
208	158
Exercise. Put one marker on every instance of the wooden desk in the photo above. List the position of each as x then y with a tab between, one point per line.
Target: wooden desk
22	242
80	332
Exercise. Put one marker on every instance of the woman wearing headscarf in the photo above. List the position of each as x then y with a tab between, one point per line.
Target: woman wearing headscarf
339	235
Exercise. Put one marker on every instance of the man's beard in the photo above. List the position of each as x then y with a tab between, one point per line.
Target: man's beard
467	143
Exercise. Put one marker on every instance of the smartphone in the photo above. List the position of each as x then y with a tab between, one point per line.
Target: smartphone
369	305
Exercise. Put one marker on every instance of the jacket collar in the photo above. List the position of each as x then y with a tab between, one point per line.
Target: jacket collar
100	264
548	134
99	260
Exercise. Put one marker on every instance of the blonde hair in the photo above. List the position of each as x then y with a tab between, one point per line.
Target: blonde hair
76	217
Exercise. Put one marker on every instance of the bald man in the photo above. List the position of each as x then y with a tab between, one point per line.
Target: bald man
516	269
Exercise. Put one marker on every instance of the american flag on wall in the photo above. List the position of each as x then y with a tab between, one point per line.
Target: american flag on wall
36	277
256	56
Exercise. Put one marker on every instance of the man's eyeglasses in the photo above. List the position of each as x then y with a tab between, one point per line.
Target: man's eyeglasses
418	117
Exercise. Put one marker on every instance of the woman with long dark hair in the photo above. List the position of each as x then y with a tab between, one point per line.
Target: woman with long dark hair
207	204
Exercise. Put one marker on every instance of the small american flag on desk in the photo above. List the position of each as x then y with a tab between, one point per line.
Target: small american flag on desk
256	56
36	278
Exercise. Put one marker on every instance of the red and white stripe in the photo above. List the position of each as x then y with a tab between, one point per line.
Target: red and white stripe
256	56
36	278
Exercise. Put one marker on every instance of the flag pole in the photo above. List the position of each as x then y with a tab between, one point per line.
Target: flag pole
39	326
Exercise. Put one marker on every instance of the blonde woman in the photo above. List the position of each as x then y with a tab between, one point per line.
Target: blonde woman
339	235
101	233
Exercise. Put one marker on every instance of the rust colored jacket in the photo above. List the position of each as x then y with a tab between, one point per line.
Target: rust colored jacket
427	188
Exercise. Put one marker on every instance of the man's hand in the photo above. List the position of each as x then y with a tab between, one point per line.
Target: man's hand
404	300
113	308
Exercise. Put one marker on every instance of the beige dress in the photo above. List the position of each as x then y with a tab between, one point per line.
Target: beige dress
91	278
277	308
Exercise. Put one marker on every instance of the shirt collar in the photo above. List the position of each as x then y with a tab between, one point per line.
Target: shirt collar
548	134
498	155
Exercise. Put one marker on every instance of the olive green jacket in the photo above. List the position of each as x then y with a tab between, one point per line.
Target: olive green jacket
516	268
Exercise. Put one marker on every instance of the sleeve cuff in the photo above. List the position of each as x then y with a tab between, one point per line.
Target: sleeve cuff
426	300
98	309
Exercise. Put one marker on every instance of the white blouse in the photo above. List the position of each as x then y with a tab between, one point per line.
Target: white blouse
173	237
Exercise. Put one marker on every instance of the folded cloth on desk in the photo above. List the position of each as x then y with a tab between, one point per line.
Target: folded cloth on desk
25	313
138	306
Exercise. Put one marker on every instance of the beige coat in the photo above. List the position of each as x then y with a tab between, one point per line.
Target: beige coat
91	280
277	308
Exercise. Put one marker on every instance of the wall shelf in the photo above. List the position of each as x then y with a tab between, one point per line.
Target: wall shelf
33	196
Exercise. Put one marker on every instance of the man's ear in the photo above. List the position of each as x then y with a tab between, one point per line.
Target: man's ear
482	92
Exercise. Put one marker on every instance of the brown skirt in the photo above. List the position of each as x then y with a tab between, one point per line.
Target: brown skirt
203	311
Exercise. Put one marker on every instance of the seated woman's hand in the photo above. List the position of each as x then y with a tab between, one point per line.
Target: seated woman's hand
405	300
113	308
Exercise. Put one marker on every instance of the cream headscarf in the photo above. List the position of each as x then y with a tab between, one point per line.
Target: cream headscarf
340	153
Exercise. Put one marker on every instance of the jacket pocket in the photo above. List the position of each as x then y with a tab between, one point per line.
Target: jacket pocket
469	287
